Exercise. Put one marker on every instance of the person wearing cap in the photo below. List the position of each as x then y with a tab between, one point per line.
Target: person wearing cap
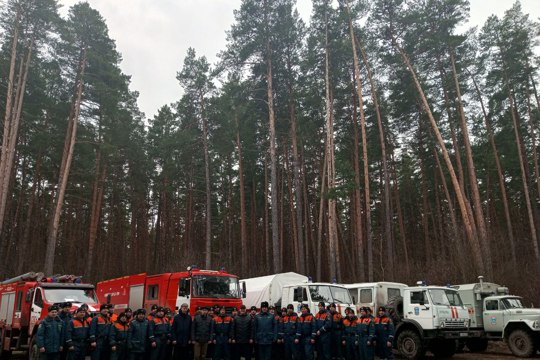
50	335
152	313
335	331
366	334
305	335
159	331
287	333
222	335
77	335
350	335
169	317
242	334
253	311
118	338
181	333
138	336
323	325
99	334
112	315
265	332
129	314
384	334
201	333
65	315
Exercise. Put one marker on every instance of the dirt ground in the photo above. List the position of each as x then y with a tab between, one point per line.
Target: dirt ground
495	351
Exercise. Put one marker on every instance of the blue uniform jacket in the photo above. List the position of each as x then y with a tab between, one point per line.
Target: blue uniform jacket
265	328
50	334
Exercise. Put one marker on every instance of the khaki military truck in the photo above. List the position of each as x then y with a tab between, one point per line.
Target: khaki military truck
495	316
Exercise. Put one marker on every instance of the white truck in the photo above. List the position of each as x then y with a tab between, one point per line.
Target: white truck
495	315
292	288
375	294
425	317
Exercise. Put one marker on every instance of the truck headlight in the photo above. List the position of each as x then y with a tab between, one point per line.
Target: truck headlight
442	324
536	324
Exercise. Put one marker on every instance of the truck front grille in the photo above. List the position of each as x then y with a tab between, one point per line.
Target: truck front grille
454	324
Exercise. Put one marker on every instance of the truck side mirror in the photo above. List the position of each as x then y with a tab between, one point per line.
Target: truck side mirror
354	300
244	290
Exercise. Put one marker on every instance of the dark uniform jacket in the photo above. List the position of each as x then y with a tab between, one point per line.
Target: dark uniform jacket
242	328
222	329
78	332
160	329
138	336
306	326
181	329
288	326
118	334
99	328
265	328
201	329
50	334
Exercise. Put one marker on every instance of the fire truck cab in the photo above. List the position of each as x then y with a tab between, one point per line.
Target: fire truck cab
24	301
194	287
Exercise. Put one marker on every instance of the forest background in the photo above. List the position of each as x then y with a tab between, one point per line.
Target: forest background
379	142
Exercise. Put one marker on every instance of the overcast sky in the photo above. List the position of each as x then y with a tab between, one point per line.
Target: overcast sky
153	36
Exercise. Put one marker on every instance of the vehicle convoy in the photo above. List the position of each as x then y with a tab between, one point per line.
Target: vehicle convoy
195	286
23	304
292	288
496	315
425	317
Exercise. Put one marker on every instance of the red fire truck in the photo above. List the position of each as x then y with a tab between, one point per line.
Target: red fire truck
23	304
195	287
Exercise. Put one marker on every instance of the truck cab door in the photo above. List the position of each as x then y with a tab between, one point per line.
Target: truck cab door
35	309
417	307
300	296
184	292
493	316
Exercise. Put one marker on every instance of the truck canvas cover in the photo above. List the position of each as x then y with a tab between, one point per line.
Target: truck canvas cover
269	288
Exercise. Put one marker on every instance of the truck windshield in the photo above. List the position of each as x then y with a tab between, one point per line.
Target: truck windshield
328	293
215	286
512	303
445	297
87	296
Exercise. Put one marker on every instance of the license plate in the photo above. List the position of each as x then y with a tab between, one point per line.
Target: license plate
463	334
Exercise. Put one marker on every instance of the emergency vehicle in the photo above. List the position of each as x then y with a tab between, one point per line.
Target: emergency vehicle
496	315
195	286
23	304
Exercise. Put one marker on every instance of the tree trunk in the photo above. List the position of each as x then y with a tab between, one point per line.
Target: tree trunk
67	157
357	196
208	232
502	181
331	171
321	218
473	181
467	221
243	226
387	193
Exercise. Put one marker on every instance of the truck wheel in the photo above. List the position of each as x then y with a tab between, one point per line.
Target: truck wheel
33	351
521	343
477	345
443	348
410	345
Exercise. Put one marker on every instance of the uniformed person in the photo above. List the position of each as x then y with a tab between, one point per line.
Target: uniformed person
350	335
160	333
335	332
118	338
288	333
323	325
50	335
138	336
366	332
99	334
78	335
222	335
201	333
384	333
265	330
305	335
66	316
242	334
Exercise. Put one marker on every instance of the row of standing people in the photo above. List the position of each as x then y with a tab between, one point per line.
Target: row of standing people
162	335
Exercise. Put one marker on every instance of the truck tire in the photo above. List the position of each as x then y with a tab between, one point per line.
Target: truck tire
521	343
443	348
33	351
477	345
395	308
410	345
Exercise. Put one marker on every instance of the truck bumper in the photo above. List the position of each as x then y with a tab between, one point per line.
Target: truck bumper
452	334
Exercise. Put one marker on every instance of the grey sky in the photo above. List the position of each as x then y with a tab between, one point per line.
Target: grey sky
153	36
